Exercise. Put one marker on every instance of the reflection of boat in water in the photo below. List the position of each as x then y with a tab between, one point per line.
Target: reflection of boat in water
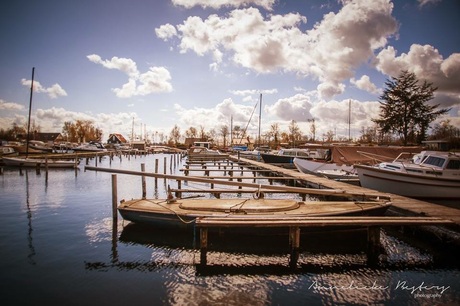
353	239
40	162
181	213
435	175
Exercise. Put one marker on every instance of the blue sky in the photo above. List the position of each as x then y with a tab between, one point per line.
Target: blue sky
200	62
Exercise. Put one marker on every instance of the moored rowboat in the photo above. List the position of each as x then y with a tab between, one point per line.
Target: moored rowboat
34	162
181	213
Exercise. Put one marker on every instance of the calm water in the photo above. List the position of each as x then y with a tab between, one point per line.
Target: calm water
58	246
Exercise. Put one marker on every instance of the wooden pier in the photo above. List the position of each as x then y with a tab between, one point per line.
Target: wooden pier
372	224
408	211
408	206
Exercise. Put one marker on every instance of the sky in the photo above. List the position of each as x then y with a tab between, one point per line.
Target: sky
142	67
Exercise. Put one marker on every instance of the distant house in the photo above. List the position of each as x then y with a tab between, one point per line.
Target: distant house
191	140
116	139
441	145
47	137
140	145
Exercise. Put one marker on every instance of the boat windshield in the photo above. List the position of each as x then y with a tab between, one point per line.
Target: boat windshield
434	161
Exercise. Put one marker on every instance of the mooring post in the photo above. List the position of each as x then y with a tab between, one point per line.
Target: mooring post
179	186
164	168
294	243
114	197
373	244
46	169
203	245
144	190
156	170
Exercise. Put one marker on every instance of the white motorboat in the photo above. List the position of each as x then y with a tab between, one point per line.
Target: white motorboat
90	147
328	169
430	174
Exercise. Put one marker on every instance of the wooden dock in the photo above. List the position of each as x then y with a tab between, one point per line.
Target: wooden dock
409	212
407	206
294	224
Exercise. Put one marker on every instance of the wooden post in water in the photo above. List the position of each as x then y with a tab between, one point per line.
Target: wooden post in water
294	242
179	186
144	190
373	245
95	160
156	171
170	164
203	245
164	168
114	197
46	169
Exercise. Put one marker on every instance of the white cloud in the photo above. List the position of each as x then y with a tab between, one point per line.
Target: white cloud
427	64
156	80
364	83
427	2
166	31
253	92
215	117
333	116
53	92
10	106
216	4
330	51
292	108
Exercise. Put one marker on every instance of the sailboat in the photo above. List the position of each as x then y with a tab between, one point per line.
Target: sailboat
36	162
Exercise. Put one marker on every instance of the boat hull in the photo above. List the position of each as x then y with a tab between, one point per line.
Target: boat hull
277	159
181	214
407	184
50	163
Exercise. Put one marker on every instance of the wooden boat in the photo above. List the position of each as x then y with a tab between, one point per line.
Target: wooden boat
181	213
429	175
40	162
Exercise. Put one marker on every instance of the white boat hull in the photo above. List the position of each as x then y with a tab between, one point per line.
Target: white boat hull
32	162
407	184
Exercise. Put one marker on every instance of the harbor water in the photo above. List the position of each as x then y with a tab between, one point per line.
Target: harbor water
59	246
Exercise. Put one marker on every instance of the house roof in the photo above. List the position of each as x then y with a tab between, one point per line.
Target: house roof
46	136
119	137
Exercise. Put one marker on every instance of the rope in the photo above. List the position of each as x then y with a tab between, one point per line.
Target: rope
169	209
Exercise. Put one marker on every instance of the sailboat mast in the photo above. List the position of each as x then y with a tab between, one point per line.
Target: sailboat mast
349	120
260	116
30	111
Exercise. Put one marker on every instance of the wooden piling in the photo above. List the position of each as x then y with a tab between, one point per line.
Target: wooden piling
203	245
114	198
373	244
144	190
294	244
46	169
